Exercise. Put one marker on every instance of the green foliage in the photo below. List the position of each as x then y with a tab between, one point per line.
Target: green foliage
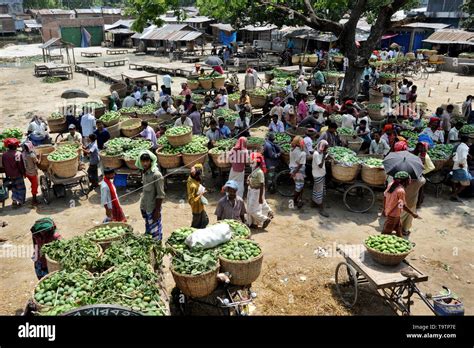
468	22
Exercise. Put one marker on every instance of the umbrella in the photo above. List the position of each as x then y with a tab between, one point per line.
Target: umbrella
74	93
403	160
213	61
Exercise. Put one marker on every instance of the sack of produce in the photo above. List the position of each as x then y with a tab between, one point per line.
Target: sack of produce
209	237
238	228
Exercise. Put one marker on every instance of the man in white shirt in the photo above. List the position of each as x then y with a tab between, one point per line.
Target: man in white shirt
461	177
434	133
348	119
308	142
88	126
319	174
302	85
378	146
453	136
183	120
165	109
137	94
276	126
129	101
288	89
167	81
404	91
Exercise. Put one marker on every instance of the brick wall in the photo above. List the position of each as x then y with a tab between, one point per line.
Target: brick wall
52	29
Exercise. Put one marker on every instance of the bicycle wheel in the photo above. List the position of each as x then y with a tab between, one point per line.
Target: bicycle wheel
284	183
346	284
359	198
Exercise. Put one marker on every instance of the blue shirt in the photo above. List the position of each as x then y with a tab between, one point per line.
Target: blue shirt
94	153
225	131
102	137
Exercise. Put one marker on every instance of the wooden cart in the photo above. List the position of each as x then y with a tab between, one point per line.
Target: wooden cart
388	282
51	184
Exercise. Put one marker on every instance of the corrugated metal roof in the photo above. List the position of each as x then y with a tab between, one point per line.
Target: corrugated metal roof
32	23
111	11
224	27
120	31
259	28
55	11
435	26
88	10
196	19
169	32
124	23
451	36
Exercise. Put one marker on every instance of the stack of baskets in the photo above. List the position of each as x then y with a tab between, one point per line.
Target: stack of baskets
131	128
57	125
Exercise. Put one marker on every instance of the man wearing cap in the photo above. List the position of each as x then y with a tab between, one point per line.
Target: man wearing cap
73	136
395	203
109	199
231	206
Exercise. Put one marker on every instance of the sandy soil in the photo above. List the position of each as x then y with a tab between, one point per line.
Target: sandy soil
294	280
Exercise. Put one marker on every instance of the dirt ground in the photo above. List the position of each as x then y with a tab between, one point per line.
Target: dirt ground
296	279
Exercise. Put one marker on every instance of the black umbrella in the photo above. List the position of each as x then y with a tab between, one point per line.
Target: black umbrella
74	93
403	160
213	61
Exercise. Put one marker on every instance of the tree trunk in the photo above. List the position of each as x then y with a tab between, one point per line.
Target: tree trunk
350	88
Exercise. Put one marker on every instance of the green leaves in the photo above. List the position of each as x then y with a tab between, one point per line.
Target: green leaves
78	252
467	129
195	261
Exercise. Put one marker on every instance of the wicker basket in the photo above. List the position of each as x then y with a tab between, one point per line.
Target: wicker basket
218	82
233	103
193	84
190	160
376	115
57	125
295	59
312	60
205	83
54	266
129	114
64	169
343	173
387	259
345	138
114	131
154	123
258	101
65	142
168	161
131	128
99	111
285	156
113	162
355	144
111	123
44	150
196	286
146	117
220	161
105	243
243	272
337	59
130	163
373	175
180	140
121	89
410	56
440	164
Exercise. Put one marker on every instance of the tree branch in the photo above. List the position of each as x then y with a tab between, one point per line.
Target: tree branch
313	21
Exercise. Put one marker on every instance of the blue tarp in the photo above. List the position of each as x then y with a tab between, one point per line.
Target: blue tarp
226	40
85	38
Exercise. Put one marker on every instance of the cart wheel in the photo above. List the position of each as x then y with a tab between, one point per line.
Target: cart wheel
359	198
84	183
284	184
45	187
346	284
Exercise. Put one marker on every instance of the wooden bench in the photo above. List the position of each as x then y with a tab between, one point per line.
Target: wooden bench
79	66
117	62
114	52
190	59
91	54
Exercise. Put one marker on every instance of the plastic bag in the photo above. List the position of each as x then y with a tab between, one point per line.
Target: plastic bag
209	237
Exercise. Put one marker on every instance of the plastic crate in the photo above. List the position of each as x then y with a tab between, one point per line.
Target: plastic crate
120	180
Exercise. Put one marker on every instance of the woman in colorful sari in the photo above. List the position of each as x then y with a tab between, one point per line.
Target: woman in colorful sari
15	171
298	168
238	157
258	210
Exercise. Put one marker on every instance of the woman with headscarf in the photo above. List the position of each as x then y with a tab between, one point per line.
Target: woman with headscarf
298	168
153	193
389	135
196	197
37	131
238	157
319	175
258	210
14	170
30	161
43	232
400	145
395	203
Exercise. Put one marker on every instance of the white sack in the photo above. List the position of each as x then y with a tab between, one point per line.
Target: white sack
209	237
